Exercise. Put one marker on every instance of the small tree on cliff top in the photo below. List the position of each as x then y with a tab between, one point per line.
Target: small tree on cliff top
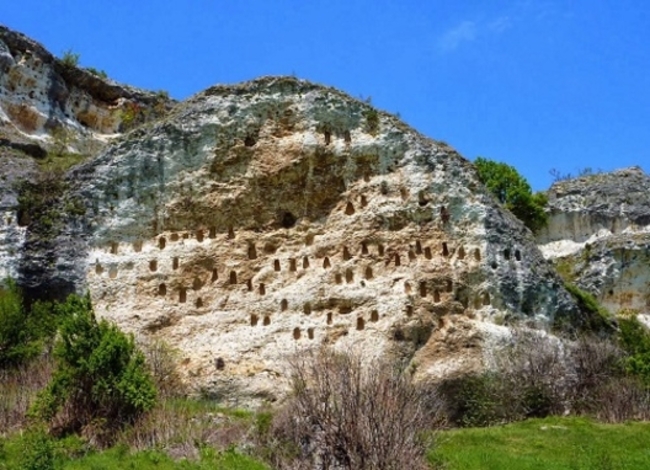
513	191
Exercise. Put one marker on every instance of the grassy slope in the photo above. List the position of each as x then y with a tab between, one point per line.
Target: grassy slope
113	460
540	444
546	444
70	455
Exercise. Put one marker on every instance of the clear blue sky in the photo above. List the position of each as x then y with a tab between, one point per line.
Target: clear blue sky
536	84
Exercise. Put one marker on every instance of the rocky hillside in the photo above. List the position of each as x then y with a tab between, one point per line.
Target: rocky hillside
53	115
259	219
599	236
253	221
46	101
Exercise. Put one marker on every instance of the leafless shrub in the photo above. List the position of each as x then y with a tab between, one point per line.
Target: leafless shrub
536	371
622	400
601	387
182	426
529	378
536	375
595	362
349	414
161	359
18	389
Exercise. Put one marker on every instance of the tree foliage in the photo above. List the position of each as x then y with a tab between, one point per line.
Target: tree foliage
22	331
513	191
101	378
635	340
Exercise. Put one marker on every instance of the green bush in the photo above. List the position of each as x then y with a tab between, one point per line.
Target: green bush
372	120
37	451
530	378
70	58
634	338
99	73
101	380
21	331
513	191
479	401
131	116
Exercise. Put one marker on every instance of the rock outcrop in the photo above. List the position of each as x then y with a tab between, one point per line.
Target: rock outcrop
259	219
599	236
253	221
47	102
52	114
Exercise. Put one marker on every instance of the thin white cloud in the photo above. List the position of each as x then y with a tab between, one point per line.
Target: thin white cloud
469	31
500	24
464	32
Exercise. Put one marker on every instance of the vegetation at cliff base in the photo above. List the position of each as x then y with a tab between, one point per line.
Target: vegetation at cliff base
22	331
100	378
81	394
513	191
635	340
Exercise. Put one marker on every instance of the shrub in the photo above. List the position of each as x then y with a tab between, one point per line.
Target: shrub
98	73
15	341
634	338
595	363
131	116
530	378
537	375
21	331
162	95
513	191
70	58
344	413
161	360
19	387
101	381
621	400
372	120
38	451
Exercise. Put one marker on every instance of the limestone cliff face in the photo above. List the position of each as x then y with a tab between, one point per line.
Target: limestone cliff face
254	221
599	235
40	95
263	218
49	107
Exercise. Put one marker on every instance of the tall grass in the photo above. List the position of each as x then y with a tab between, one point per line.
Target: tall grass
182	427
18	389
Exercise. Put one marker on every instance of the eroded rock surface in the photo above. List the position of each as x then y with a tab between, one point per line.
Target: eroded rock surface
263	218
599	236
46	102
254	221
51	112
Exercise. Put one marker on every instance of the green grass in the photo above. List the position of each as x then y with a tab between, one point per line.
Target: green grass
546	444
118	460
61	162
73	454
564	267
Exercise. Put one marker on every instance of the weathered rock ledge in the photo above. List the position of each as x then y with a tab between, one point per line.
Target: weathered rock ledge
599	236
